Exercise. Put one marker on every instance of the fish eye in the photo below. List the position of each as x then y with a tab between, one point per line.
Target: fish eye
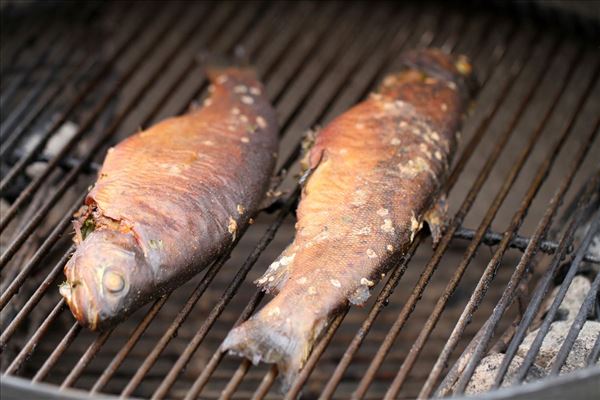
113	281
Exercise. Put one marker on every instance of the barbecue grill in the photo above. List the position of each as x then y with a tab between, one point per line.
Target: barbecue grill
523	193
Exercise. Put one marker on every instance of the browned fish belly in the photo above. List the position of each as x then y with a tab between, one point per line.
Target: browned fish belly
169	199
377	171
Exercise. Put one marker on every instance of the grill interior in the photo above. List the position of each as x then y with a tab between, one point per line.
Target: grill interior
78	78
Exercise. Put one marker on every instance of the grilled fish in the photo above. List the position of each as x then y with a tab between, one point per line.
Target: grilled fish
170	199
376	174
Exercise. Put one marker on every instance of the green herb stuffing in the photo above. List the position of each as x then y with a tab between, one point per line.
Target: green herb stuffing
87	227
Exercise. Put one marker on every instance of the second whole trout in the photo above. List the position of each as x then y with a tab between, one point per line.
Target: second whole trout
376	174
170	199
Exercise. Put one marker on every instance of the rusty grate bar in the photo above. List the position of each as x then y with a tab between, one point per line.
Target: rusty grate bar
483	339
102	104
23	161
551	314
543	288
99	143
581	315
515	224
577	324
491	238
509	292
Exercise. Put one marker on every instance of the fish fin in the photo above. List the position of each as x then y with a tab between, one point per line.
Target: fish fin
235	66
436	218
276	275
307	160
360	296
276	337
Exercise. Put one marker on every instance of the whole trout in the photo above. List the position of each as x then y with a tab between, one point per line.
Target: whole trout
376	174
170	199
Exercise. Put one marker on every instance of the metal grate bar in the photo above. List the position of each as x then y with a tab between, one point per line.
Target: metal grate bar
584	310
54	236
488	274
133	339
33	341
265	384
485	224
316	353
18	167
218	355
594	355
35	298
17	112
491	238
577	325
54	41
85	359
8	94
509	292
39	333
316	61
567	239
541	291
36	108
20	239
34	32
57	352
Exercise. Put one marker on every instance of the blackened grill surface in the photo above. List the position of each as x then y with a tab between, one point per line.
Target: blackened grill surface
77	79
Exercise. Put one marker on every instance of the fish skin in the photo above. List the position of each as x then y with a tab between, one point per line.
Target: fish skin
376	174
170	199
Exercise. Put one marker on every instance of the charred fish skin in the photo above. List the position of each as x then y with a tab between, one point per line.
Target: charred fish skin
376	175
170	199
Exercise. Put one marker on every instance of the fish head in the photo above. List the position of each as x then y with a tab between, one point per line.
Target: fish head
107	277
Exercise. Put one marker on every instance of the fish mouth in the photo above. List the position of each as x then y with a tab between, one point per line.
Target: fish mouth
78	298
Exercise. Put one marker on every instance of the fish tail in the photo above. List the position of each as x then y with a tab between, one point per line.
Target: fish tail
282	337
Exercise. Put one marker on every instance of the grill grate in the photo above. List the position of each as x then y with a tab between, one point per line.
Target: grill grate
106	70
